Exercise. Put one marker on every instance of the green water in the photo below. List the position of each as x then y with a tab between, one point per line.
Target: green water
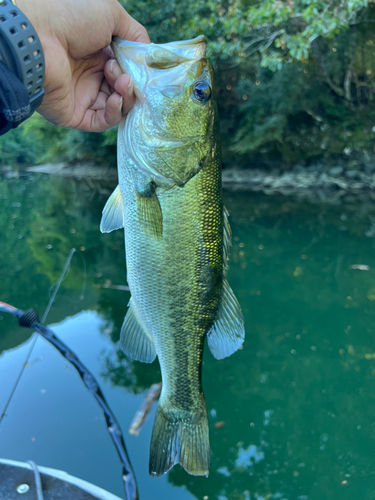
292	415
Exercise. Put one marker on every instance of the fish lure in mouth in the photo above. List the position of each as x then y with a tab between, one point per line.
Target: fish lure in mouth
177	239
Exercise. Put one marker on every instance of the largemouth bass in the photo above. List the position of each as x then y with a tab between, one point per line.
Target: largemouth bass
177	239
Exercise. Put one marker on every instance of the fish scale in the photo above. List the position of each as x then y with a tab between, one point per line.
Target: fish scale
174	309
169	201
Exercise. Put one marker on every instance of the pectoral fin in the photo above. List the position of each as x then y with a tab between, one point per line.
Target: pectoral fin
113	213
227	333
149	211
134	340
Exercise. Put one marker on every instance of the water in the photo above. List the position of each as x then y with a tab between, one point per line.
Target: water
291	415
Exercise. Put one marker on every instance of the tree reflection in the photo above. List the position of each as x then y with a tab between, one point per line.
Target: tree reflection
290	415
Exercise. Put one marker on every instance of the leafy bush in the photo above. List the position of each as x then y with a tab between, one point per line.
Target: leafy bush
294	82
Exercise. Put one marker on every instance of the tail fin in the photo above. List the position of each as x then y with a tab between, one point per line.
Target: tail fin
183	442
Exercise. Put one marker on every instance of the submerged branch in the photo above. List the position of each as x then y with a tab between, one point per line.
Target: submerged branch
141	415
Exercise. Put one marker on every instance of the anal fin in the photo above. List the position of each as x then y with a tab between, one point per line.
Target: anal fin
134	340
227	333
113	212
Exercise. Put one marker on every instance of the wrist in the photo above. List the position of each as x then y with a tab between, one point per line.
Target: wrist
34	11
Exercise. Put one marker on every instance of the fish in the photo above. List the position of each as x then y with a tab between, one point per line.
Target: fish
177	239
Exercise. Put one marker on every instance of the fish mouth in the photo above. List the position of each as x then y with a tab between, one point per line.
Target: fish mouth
145	62
161	70
158	56
193	49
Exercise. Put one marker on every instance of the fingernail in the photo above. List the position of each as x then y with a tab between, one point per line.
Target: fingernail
120	105
115	68
130	87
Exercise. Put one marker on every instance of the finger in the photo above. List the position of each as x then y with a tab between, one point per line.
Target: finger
106	87
121	83
102	119
113	110
125	88
112	71
137	32
128	28
101	101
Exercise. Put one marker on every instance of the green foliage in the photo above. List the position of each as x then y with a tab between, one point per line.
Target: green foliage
319	108
285	31
21	145
294	82
316	106
280	31
37	141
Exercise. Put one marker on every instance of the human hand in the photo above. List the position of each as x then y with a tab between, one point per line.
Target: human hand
84	85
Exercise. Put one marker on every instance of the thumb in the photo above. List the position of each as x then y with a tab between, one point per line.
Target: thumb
128	28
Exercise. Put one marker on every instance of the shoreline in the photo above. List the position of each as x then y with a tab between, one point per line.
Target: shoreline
312	184
315	184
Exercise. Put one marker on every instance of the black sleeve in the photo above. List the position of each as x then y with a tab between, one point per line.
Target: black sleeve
22	67
14	100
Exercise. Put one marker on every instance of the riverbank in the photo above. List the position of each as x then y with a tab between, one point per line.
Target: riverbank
86	170
316	184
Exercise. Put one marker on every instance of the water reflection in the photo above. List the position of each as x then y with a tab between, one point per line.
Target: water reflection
291	415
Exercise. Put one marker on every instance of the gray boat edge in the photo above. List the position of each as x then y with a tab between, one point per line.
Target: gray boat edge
64	476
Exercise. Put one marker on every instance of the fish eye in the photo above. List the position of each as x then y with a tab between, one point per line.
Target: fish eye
202	91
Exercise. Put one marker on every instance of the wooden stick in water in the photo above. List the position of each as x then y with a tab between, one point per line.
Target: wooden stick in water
141	415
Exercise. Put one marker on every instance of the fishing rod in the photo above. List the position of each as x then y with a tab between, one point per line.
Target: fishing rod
30	319
49	305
